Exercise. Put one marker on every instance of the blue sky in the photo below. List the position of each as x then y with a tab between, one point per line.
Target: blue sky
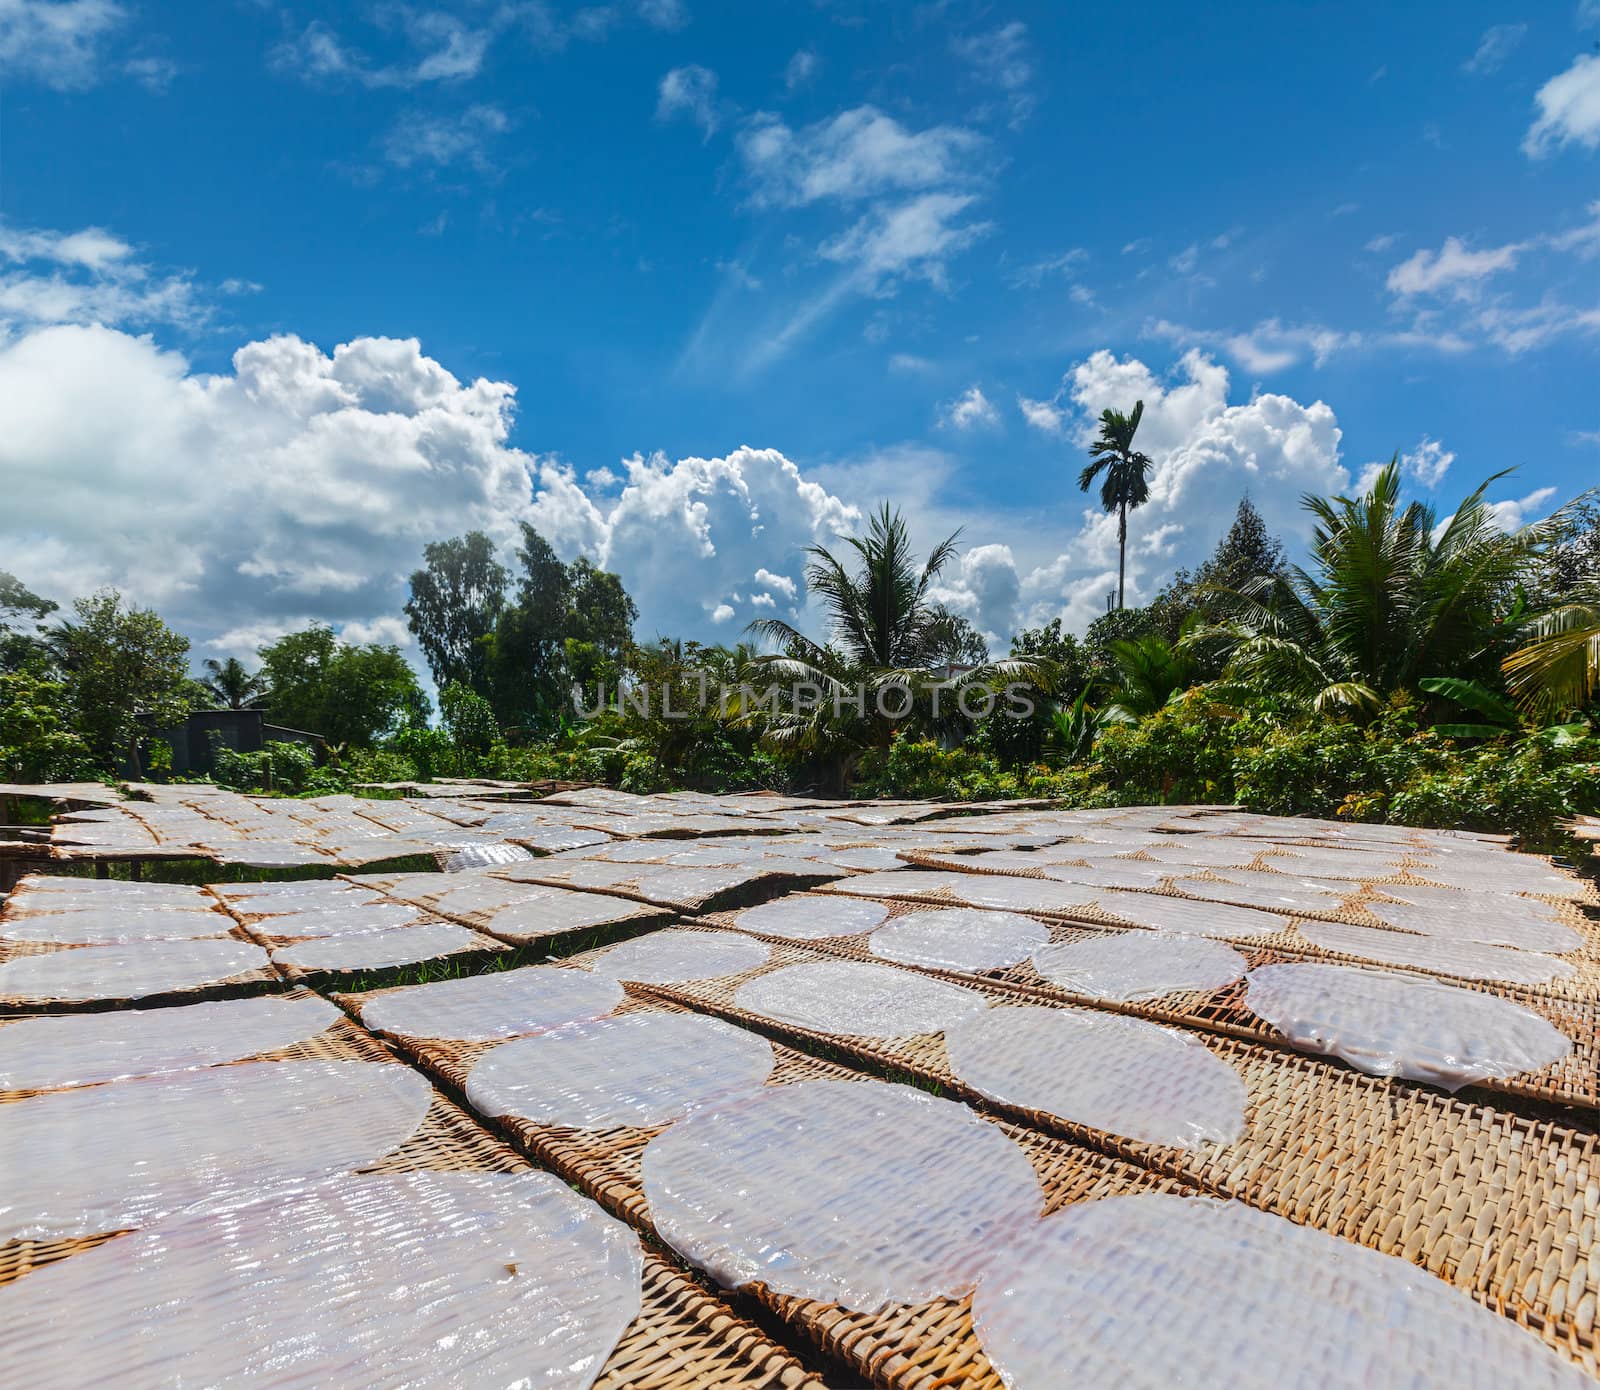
287	291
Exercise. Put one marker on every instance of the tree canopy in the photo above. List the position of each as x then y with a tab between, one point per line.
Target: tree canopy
350	694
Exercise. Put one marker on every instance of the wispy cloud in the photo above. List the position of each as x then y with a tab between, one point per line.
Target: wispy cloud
57	42
1497	44
690	92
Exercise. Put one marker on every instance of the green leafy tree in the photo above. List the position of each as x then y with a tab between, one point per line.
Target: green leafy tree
1148	673
599	610
37	740
1246	551
467	718
1558	666
349	694
231	684
21	610
1126	485
455	600
126	674
527	651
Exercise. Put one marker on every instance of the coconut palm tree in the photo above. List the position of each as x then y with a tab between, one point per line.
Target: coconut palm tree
1392	594
231	685
886	632
1558	669
1125	486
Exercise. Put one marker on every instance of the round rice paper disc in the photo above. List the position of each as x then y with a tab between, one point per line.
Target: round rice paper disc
961	938
1471	960
637	1070
129	970
1154	1290
378	950
852	1192
1494	921
1021	894
38	1054
1401	1025
486	1008
1139	965
114	1158
666	957
804	918
865	1001
1116	1074
1274	892
527	1284
1158	912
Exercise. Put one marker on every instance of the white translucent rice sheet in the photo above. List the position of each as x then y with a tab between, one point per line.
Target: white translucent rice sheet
106	892
1202	853
852	1192
859	857
636	1070
501	1004
25	905
1161	1290
559	910
1139	965
526	1284
1401	1025
1126	874
961	938
1021	894
665	957
305	888
470	857
808	918
135	970
866	1001
1161	913
339	921
113	1158
1270	891
376	950
1112	1073
1471	960
1505	873
477	894
1495	921
901	883
38	1054
102	926
1436	896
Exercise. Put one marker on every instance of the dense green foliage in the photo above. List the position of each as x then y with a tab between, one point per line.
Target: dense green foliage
349	693
1418	668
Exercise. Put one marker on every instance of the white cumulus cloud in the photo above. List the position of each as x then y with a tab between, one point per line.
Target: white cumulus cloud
1569	109
970	410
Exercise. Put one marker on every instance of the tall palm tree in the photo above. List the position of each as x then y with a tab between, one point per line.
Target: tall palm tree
886	631
1392	595
231	685
1125	486
880	616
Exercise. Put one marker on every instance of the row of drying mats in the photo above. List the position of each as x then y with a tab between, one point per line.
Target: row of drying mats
1022	1096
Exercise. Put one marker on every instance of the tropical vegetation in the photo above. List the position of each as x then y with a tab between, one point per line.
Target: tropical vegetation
1416	666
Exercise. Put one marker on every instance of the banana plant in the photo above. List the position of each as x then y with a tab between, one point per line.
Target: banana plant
1497	716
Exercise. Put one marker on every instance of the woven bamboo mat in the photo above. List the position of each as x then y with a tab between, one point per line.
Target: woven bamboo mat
1352	909
1572	1006
682	1339
905	1347
256	981
1501	1205
755	886
1582	986
630	915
